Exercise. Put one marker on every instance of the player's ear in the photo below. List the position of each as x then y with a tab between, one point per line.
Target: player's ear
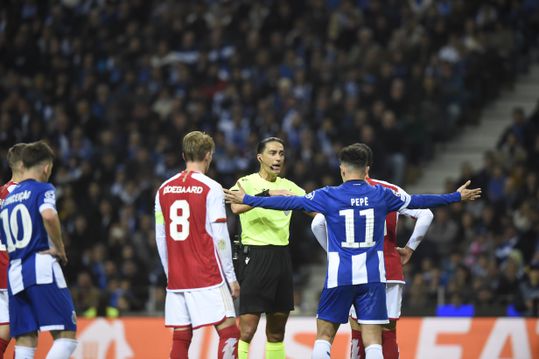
259	158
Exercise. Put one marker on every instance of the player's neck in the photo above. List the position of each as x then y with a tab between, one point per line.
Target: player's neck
268	176
195	167
30	176
16	178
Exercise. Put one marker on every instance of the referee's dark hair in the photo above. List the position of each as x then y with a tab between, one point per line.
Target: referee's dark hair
262	144
356	155
36	153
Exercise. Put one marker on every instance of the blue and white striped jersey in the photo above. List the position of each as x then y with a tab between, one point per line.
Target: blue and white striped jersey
23	233
355	214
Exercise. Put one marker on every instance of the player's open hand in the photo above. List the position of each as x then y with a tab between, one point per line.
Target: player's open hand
235	289
60	255
405	254
234	196
469	194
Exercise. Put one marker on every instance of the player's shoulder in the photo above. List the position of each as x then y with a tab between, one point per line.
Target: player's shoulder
385	184
208	181
34	186
321	192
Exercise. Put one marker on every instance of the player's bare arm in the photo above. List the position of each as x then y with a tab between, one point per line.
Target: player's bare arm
52	226
469	194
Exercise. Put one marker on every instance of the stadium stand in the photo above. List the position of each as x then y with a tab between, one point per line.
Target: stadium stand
113	86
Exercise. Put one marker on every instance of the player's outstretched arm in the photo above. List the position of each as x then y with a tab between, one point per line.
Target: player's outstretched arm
51	221
435	200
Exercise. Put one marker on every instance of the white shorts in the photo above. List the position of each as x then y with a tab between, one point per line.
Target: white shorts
4	307
393	301
199	307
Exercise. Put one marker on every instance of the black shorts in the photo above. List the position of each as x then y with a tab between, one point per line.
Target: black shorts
266	280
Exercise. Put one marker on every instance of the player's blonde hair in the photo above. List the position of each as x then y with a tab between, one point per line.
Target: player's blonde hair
196	145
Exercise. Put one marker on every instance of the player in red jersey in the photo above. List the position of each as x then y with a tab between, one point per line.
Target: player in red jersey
14	160
194	246
394	258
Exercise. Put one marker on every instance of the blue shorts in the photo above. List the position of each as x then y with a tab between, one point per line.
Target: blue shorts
41	307
368	299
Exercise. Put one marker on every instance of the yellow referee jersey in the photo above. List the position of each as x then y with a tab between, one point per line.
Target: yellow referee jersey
261	226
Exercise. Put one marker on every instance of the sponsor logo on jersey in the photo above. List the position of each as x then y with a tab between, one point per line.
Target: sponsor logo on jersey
183	189
310	195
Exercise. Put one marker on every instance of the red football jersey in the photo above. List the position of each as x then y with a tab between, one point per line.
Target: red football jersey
5	190
392	258
189	202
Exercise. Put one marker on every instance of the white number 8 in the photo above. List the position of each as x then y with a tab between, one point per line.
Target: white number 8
177	233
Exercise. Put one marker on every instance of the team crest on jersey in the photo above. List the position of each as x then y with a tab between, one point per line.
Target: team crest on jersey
50	197
310	195
221	244
398	194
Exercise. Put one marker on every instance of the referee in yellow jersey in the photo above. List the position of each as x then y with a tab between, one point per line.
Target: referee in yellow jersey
265	267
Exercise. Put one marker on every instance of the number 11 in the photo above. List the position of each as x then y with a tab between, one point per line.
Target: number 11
350	230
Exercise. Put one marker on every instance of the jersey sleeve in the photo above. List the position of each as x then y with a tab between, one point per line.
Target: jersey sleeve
395	200
318	226
424	219
312	202
47	198
160	235
215	205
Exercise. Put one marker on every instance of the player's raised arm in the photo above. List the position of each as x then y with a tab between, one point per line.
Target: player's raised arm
396	201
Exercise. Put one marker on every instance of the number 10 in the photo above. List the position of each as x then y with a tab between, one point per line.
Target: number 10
350	230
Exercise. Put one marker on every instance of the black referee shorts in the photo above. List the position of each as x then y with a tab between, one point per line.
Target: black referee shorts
266	280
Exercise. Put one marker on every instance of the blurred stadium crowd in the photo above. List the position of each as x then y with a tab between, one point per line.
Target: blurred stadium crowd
113	86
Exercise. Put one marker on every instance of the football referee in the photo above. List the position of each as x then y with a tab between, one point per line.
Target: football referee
265	268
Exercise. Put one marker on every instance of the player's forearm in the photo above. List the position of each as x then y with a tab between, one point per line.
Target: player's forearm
433	200
221	240
240	208
161	242
276	202
54	230
424	219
